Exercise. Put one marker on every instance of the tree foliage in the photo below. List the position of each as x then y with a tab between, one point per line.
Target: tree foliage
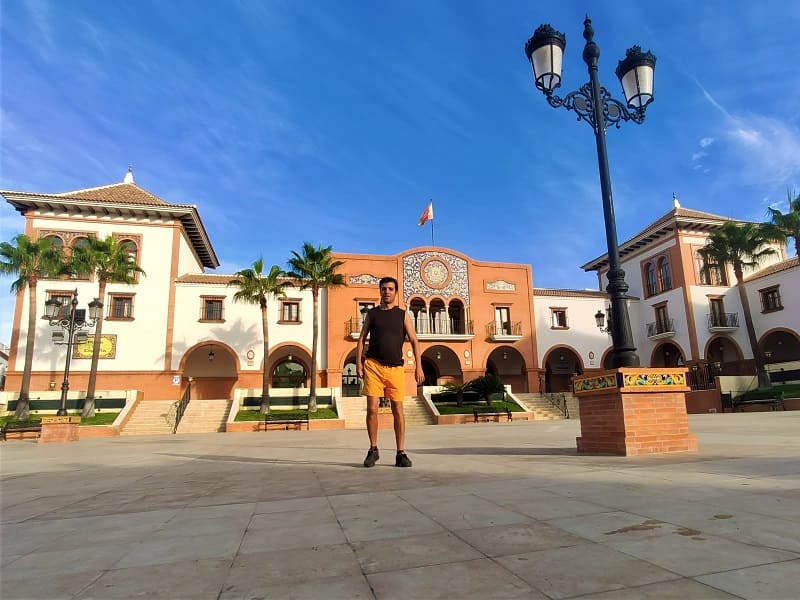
30	260
314	268
255	287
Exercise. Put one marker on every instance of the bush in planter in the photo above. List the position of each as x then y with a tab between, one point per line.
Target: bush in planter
458	389
486	385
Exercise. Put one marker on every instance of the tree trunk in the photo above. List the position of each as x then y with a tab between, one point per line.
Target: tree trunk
758	357
312	392
459	398
265	370
23	409
88	403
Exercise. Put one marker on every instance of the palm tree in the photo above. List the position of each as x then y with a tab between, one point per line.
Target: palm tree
30	260
109	262
314	269
787	225
743	246
257	288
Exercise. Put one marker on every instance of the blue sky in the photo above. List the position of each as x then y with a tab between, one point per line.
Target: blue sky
336	122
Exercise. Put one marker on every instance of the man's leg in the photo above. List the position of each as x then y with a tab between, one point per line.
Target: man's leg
372	420
399	425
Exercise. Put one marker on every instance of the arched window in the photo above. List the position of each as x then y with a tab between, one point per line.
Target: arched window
650	279
131	248
709	273
79	243
664	275
419	314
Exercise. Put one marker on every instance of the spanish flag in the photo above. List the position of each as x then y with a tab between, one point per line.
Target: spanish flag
427	214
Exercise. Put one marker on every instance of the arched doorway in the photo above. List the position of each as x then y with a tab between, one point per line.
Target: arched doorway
441	365
509	365
289	373
667	355
561	366
780	346
350	383
211	370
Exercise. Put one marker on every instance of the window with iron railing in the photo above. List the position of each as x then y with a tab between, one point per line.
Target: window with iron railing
770	299
121	307
212	309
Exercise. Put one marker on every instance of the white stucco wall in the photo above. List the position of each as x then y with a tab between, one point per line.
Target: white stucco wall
241	329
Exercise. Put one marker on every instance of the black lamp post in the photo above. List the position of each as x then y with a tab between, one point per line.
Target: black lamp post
594	105
73	322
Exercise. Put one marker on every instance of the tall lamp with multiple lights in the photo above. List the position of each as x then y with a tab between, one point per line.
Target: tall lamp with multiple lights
595	106
73	322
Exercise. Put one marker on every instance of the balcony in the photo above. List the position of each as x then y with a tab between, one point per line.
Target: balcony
443	329
436	328
723	322
659	330
504	332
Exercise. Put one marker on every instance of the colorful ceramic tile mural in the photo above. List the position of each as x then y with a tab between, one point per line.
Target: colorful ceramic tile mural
653	379
595	383
456	281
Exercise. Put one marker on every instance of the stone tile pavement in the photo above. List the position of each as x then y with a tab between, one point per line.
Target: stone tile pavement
494	510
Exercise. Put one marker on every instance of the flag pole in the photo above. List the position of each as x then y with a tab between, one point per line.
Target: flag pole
432	244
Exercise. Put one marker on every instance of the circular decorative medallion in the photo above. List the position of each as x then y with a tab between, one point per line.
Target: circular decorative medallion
435	273
250	355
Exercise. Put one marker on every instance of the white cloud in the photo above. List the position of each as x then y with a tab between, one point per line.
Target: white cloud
706	141
698	155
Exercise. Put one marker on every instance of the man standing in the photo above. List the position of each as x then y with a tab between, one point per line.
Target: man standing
384	376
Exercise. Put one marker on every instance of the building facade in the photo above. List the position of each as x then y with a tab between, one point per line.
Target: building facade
177	325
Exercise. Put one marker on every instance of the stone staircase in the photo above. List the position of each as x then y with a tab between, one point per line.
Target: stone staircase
205	416
150	417
354	412
544	409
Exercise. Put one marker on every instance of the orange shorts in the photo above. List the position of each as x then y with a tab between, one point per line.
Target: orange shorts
382	381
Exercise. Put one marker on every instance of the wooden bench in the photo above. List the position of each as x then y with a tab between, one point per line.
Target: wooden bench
286	423
20	427
774	402
489	414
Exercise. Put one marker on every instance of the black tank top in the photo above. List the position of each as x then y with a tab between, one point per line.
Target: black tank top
386	336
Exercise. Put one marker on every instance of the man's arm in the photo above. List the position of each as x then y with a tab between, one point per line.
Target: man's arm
360	346
412	337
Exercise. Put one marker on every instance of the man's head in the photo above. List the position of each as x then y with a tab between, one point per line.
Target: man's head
388	289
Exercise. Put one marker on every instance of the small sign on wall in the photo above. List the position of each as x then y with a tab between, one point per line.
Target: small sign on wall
176	380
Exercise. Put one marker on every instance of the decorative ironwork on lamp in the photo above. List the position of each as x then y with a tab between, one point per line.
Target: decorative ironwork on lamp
72	322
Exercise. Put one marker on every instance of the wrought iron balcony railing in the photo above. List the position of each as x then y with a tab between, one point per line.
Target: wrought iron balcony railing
723	321
661	328
425	328
504	330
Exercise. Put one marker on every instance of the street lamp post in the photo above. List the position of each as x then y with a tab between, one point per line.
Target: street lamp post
73	322
594	105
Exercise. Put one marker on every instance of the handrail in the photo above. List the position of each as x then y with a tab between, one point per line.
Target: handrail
559	401
180	407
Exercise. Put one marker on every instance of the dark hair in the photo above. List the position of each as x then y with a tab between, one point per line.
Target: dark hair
387	280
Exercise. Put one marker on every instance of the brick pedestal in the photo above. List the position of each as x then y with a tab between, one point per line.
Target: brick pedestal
632	411
60	429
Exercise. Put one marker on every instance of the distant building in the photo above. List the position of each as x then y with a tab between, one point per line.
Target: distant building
179	323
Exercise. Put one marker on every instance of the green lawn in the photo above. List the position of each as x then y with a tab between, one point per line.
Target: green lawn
255	415
106	418
498	405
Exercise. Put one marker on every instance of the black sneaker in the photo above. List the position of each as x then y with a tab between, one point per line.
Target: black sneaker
372	457
402	460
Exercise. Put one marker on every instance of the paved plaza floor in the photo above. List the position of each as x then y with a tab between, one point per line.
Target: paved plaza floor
494	510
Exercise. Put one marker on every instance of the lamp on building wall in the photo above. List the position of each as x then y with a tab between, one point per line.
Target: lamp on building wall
595	106
211	354
289	358
505	355
72	322
438	355
600	319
